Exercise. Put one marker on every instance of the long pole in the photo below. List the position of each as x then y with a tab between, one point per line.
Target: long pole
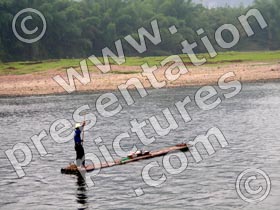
84	128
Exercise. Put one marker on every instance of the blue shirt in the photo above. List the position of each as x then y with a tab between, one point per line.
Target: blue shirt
77	136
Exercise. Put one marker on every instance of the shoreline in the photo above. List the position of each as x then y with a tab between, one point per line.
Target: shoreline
42	84
262	81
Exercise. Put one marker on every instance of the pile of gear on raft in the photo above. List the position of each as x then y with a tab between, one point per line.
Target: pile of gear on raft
136	154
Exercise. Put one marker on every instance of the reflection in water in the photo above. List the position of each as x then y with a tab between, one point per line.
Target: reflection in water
81	194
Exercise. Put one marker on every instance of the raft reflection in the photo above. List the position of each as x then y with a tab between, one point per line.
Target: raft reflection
81	194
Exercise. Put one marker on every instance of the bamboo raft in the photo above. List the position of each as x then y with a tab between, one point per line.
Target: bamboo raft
73	169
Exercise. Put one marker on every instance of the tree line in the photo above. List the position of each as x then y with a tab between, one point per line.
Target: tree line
78	29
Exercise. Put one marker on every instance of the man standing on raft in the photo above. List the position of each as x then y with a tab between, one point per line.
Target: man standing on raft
80	153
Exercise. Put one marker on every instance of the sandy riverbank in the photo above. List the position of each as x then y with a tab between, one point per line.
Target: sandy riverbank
43	83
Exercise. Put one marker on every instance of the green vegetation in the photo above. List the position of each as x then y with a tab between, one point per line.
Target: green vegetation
32	67
17	68
222	57
78	29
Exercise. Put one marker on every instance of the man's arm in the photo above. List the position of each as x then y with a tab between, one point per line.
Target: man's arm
82	130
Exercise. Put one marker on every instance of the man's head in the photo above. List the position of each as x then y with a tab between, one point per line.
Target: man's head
77	126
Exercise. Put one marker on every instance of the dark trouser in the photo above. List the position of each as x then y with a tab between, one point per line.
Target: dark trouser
80	153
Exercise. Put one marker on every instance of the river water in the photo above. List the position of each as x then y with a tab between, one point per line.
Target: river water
250	122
